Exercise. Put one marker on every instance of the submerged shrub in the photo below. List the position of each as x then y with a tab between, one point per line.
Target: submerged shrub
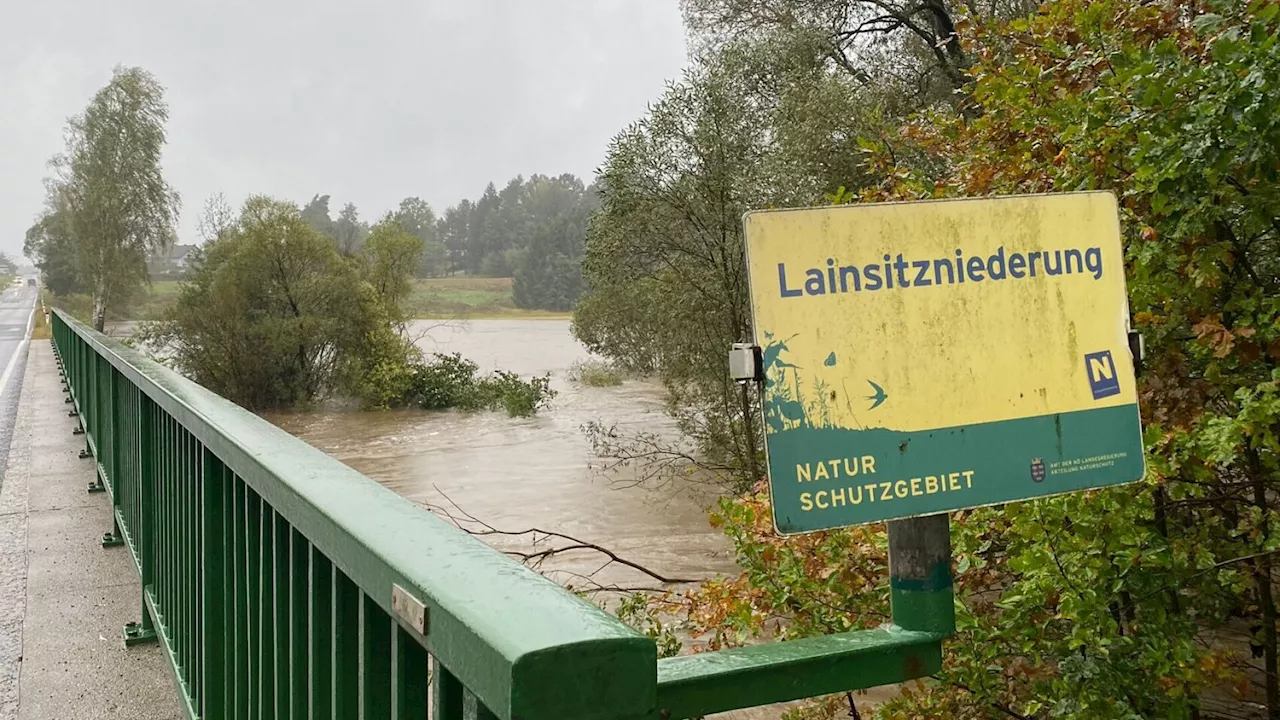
595	373
451	381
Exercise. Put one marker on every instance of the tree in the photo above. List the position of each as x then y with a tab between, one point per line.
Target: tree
917	46
51	246
274	317
216	219
417	218
664	260
119	207
316	214
548	274
390	257
348	231
7	265
481	228
454	231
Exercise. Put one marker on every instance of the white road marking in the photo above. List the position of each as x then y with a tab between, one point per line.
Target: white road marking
22	346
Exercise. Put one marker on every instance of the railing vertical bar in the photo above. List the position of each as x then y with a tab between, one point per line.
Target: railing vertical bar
182	540
280	614
163	573
319	636
147	491
299	555
253	540
170	545
409	676
174	607
375	660
198	551
213	619
346	651
239	536
266	617
187	538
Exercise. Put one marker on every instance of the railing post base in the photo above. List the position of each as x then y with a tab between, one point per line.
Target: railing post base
115	537
84	454
139	633
97	487
135	634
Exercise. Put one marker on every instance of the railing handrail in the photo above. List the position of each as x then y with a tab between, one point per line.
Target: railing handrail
512	637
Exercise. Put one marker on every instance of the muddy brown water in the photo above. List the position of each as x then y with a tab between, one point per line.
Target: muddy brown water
520	473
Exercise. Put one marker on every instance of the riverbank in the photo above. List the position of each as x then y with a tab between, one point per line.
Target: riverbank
447	298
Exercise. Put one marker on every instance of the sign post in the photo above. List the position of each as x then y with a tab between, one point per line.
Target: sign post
919	358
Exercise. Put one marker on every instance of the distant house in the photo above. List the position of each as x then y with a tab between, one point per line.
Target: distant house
179	254
172	262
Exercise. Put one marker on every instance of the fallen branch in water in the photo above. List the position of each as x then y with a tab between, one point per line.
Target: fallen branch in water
472	525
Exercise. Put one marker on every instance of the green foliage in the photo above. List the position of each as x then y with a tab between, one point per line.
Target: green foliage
548	273
50	243
638	611
664	260
316	214
595	373
274	316
451	381
349	232
110	190
390	257
532	230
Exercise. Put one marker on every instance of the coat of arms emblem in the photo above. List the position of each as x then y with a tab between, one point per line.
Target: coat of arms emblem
1037	470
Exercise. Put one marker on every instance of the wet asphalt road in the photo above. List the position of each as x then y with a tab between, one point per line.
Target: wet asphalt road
16	304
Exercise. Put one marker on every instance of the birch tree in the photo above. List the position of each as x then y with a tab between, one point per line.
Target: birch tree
121	210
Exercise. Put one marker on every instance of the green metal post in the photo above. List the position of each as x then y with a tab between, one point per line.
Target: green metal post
144	632
920	588
214	621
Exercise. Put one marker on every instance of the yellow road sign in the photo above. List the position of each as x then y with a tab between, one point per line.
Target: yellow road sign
926	357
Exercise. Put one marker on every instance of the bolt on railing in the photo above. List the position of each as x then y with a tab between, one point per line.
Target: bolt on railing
284	584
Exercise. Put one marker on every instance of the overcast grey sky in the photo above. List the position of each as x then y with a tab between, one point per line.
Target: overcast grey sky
367	101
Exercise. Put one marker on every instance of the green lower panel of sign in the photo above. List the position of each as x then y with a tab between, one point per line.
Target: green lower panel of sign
825	478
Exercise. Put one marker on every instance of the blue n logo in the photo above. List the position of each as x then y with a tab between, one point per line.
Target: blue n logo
1103	379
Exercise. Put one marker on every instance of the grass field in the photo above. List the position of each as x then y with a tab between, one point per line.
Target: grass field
159	296
450	297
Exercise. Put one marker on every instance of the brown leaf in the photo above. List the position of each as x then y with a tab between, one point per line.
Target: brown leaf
1274	350
1248	352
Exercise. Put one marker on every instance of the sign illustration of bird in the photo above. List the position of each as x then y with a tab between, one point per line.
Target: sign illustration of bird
878	398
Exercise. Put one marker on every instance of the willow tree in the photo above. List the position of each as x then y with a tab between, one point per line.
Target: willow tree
120	208
664	253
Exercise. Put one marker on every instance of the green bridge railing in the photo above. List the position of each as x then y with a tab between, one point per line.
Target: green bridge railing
284	584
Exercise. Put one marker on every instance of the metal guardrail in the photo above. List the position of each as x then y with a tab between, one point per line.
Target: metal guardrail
284	584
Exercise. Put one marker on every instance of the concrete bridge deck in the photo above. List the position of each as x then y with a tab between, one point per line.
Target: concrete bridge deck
64	598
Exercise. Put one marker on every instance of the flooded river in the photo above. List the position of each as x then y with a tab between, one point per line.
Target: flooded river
519	473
